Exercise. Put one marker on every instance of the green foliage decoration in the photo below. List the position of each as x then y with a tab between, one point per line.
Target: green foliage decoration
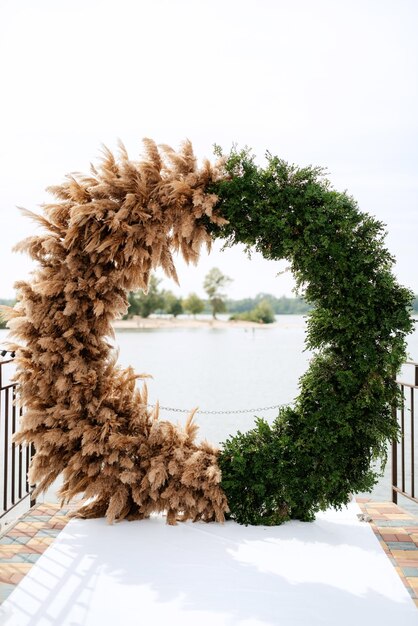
251	465
325	447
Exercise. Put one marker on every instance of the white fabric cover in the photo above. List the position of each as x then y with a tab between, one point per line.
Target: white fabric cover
331	572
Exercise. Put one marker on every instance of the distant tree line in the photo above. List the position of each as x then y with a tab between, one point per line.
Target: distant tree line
161	301
280	306
260	308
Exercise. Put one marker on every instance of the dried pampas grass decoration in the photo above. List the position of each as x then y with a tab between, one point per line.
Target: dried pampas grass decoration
85	415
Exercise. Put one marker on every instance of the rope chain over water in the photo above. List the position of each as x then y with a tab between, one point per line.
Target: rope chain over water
229	412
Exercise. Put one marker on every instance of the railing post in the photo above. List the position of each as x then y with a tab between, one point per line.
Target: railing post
394	465
413	443
31	452
403	439
6	451
394	471
405	466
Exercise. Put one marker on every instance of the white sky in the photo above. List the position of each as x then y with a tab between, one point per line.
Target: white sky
322	82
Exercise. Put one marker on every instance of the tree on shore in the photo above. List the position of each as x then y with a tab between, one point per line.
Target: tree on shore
214	284
172	304
143	304
193	304
262	313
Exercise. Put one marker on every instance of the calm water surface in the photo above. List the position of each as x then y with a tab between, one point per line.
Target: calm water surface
219	370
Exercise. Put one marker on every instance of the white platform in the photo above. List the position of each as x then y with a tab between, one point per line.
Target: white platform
331	572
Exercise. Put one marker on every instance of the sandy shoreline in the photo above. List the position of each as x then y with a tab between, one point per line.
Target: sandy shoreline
141	322
137	323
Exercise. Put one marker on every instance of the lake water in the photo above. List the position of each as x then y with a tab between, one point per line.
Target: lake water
219	370
226	370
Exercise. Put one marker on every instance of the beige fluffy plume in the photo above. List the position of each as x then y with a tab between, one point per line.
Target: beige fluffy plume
85	415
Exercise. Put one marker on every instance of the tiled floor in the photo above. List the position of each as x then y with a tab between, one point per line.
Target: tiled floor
397	532
22	545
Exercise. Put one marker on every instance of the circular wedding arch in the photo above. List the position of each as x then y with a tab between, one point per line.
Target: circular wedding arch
104	234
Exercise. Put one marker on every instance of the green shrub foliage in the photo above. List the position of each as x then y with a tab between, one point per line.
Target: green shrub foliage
326	446
262	313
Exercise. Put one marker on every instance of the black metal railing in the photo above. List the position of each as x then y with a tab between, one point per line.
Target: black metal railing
14	459
403	452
